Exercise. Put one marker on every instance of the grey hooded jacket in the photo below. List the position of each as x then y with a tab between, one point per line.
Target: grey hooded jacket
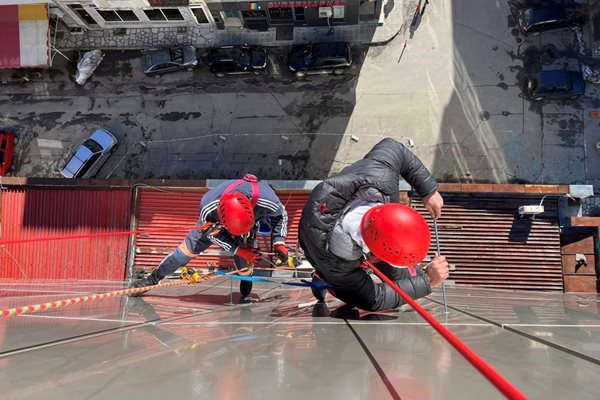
374	178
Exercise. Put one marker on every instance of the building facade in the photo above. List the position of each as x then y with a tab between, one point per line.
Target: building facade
114	14
258	16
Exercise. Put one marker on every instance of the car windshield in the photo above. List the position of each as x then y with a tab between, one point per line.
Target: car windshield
176	55
94	146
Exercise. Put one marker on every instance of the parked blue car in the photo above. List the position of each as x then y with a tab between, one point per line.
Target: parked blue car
548	18
556	84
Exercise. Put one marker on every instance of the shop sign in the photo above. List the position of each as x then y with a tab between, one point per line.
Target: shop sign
305	4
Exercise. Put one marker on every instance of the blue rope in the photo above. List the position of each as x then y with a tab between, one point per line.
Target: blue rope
303	282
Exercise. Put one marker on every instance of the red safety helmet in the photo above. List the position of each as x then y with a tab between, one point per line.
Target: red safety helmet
236	213
397	234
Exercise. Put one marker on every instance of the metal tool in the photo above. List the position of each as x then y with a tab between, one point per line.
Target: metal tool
437	253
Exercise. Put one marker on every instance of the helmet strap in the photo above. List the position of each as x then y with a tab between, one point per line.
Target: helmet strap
253	180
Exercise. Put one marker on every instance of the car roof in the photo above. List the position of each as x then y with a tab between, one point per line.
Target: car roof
81	155
226	54
554	78
328	50
160	56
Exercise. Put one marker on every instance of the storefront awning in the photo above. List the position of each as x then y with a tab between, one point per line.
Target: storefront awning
24	36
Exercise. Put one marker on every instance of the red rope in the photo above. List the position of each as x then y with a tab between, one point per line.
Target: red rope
93	235
485	369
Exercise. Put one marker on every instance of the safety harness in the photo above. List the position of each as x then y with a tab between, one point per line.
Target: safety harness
253	180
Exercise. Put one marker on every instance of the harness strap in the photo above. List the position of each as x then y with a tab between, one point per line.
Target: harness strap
253	180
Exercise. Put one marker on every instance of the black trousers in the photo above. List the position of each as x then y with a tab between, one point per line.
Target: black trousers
357	288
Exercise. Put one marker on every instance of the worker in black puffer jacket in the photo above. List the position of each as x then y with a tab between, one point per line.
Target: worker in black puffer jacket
331	236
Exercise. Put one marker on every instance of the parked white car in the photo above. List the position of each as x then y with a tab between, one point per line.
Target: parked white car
91	155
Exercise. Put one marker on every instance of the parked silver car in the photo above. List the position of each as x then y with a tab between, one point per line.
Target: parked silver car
158	62
89	157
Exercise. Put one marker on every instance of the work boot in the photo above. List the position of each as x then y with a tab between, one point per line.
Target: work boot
149	280
245	290
318	293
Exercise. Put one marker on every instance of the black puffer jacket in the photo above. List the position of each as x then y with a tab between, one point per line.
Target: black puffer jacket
380	170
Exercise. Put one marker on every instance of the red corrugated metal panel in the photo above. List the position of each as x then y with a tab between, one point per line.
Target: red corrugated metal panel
162	209
35	213
293	202
493	247
481	234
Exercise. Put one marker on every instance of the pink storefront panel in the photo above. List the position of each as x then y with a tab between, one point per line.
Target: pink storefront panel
10	47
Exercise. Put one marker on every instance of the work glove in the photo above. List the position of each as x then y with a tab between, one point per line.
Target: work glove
282	252
250	254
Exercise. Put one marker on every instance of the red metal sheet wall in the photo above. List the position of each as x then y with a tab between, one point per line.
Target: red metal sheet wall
163	209
36	213
493	247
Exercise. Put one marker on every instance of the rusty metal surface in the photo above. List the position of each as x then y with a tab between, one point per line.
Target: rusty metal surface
29	213
493	247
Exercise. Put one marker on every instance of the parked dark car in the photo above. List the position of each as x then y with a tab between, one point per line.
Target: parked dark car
556	84
540	19
158	62
320	58
7	146
91	155
237	60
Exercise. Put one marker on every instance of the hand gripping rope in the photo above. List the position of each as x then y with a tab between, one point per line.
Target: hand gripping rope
485	369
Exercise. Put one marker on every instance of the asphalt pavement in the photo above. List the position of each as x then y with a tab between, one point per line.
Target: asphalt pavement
451	90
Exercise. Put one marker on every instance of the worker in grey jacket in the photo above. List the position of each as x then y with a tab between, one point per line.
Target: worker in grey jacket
229	216
331	231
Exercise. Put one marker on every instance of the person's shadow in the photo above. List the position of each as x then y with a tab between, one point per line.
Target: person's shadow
387	9
350	313
417	17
